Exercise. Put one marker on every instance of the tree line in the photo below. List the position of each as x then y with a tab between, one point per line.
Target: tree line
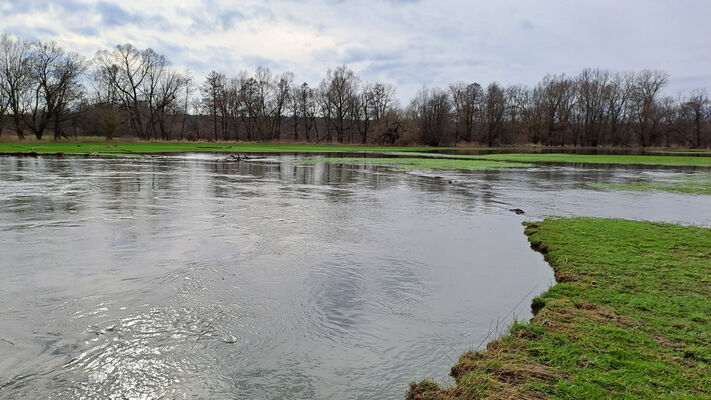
129	91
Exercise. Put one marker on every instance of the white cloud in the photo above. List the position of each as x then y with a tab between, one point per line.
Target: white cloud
409	43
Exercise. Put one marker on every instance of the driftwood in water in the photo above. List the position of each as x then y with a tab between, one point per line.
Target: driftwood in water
237	156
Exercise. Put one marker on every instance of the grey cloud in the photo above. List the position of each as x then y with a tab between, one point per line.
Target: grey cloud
358	54
29	6
114	15
526	24
85	30
228	19
408	42
31	33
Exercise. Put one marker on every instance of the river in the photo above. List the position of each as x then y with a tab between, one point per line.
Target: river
189	277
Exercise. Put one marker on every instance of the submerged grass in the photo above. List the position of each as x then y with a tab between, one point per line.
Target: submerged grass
421	163
669	160
693	184
601	159
630	317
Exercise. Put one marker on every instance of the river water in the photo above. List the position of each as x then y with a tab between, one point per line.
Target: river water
188	277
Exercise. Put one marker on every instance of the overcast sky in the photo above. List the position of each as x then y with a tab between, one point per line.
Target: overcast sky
405	42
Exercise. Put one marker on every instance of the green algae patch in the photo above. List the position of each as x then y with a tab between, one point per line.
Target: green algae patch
423	164
630	317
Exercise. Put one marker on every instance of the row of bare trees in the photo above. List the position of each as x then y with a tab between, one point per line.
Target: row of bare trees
39	84
594	108
142	86
136	92
262	106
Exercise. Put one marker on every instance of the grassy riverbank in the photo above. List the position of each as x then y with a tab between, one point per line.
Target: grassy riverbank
148	148
118	148
690	161
628	318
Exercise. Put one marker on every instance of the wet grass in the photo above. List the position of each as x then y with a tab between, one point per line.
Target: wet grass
423	164
683	151
145	148
601	159
630	317
692	184
659	160
133	147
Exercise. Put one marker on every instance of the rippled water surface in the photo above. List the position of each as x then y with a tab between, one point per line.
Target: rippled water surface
187	277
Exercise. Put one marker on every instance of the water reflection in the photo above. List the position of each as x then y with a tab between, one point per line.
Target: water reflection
189	277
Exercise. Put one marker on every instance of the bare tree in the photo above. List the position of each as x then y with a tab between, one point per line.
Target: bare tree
555	97
467	101
515	98
431	109
124	69
212	91
591	84
617	97
339	96
3	109
646	90
495	108
167	104
363	111
306	107
383	99
56	89
14	78
696	112
279	102
188	88
388	128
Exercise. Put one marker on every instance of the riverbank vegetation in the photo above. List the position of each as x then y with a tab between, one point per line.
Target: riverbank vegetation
143	147
628	318
600	159
131	92
418	155
414	156
691	184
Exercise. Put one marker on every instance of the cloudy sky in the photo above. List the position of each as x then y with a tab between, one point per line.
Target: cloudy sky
405	42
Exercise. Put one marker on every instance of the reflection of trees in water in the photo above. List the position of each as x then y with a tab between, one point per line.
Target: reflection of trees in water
37	185
291	169
128	185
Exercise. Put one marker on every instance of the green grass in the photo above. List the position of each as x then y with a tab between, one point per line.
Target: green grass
600	159
692	184
571	158
125	148
112	148
565	158
630	318
421	163
172	147
683	151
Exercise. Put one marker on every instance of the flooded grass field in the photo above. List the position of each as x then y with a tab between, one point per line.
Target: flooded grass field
187	276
